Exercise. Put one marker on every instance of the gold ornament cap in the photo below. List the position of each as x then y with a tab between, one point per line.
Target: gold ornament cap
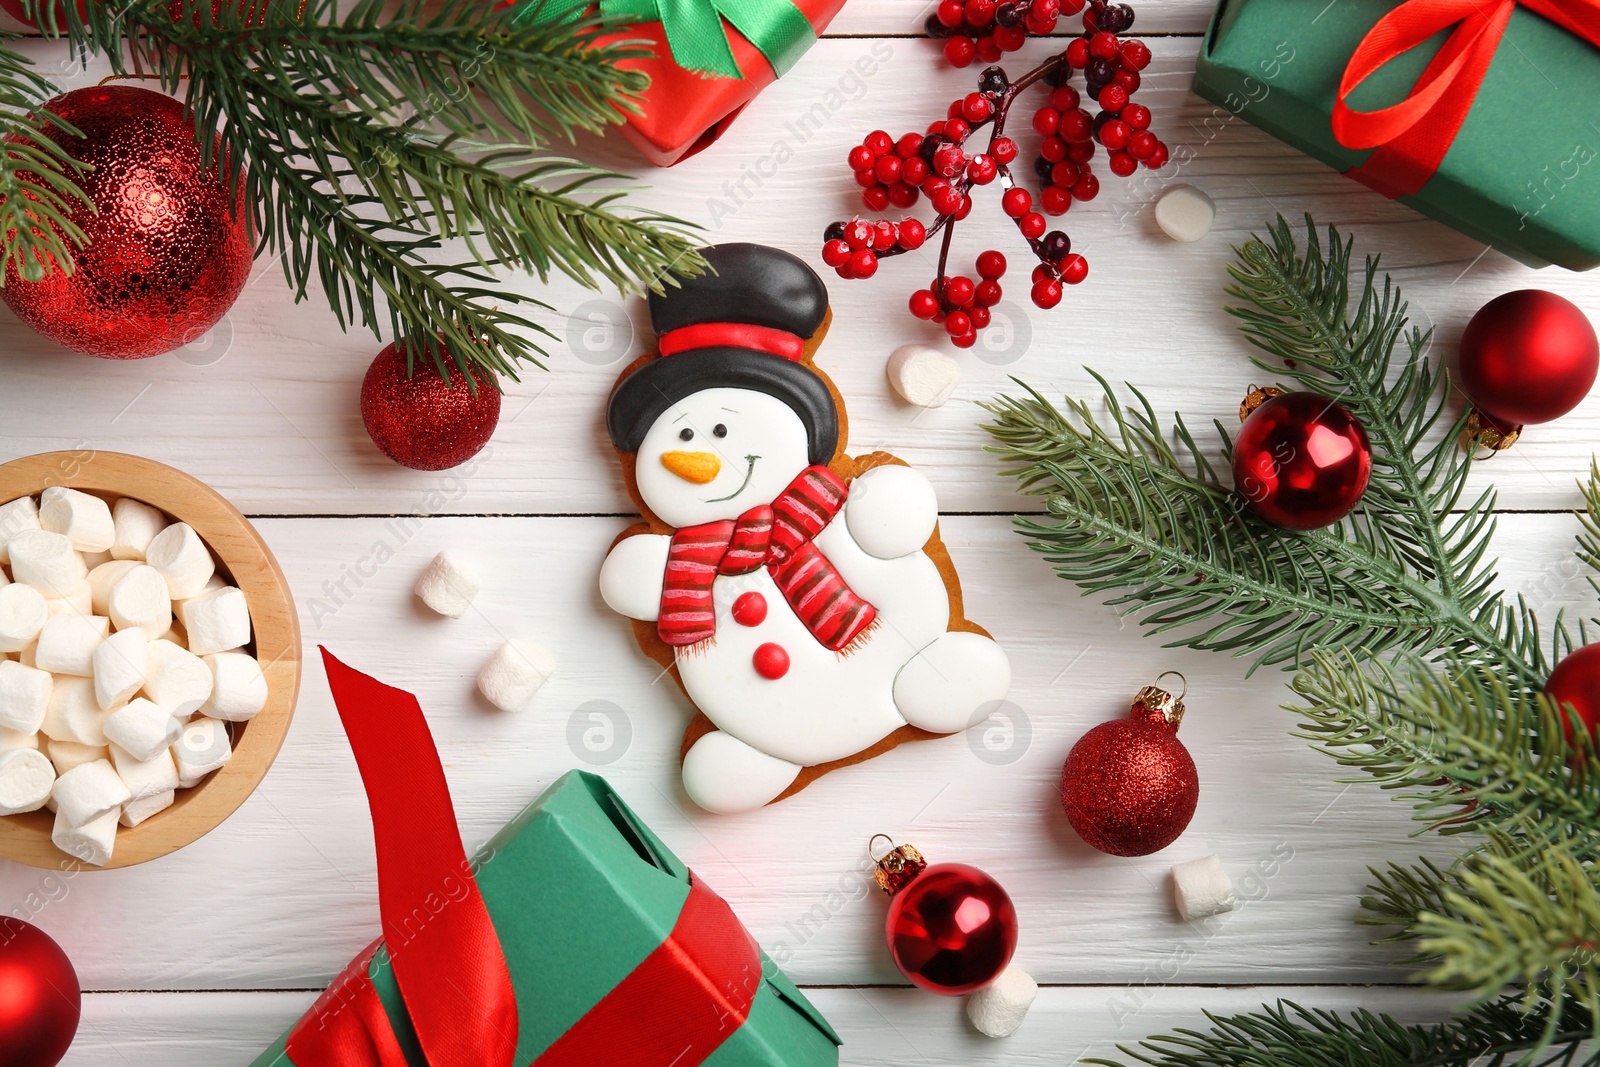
896	867
1155	704
1486	431
1258	395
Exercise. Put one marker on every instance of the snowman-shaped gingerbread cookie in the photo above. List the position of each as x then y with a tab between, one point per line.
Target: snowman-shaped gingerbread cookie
802	598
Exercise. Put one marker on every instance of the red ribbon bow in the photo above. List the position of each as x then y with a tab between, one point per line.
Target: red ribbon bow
1412	137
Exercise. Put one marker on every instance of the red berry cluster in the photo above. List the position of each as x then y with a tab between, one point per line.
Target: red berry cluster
960	304
852	248
986	29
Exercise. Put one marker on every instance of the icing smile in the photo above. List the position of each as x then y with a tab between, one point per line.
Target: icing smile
748	472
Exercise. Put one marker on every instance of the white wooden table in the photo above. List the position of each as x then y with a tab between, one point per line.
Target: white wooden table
202	958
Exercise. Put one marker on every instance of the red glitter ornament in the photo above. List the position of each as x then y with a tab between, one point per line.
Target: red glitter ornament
1527	357
1129	786
39	998
1301	460
951	928
1576	682
421	421
168	253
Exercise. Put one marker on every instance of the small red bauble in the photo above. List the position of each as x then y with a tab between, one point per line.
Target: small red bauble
1301	460
169	250
1129	787
750	609
1576	681
422	421
771	661
951	928
39	998
1527	357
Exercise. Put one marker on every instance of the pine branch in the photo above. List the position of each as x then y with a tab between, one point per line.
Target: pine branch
38	186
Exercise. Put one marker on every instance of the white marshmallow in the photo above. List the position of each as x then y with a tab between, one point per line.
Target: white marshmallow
136	525
10	739
147	777
997	1010
182	558
26	778
142	727
121	664
67	643
1201	888
202	748
215	622
179	680
141	598
103	579
78	602
24	696
23	613
83	519
135	812
69	754
1184	213
446	587
92	842
74	714
48	562
923	376
16	517
238	689
92	560
514	674
88	792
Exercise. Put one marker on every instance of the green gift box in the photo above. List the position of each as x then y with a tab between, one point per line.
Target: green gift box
615	954
1522	172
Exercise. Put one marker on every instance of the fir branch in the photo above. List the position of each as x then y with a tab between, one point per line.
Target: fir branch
38	186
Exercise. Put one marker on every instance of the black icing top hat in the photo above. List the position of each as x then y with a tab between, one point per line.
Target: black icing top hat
743	324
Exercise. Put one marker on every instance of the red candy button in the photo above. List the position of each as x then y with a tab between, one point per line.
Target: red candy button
750	609
771	661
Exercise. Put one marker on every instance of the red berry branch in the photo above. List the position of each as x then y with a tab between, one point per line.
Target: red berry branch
936	163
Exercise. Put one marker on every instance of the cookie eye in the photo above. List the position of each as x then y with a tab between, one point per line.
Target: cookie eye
719	430
686	434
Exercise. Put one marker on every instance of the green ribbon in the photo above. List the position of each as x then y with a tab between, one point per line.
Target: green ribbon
695	33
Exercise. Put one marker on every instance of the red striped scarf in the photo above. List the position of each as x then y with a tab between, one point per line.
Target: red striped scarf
778	537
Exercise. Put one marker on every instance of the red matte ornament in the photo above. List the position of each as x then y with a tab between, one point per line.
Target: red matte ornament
169	250
422	421
1576	681
1527	357
951	928
1301	460
39	999
1129	787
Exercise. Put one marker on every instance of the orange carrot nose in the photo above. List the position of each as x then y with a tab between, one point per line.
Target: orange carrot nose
696	467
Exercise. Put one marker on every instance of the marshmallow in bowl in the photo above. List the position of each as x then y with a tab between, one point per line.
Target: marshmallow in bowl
182	558
135	526
48	562
83	519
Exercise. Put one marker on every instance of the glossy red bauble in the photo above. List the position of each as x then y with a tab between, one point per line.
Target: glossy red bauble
169	250
951	929
1302	461
1576	681
422	421
39	999
1528	356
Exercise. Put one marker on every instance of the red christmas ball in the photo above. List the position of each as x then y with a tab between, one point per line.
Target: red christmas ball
39	998
1576	681
421	421
951	929
1301	460
1129	787
1528	356
169	250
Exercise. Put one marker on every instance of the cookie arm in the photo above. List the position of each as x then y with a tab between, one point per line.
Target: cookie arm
632	576
891	511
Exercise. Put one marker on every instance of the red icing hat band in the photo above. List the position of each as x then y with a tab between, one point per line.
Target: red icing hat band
732	335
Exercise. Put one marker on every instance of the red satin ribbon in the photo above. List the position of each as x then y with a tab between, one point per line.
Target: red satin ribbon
1412	137
732	335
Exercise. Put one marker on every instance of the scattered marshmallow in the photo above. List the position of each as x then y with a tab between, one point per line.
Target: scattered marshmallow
23	613
179	680
135	812
67	643
82	518
203	747
91	842
10	739
215	622
923	376
26	778
514	674
47	561
182	558
446	587
145	778
88	792
997	1010
18	516
78	602
74	714
121	664
136	525
1184	213
238	687
69	754
143	728
24	696
141	598
103	579
1202	888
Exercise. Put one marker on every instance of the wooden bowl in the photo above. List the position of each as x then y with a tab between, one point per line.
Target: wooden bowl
244	558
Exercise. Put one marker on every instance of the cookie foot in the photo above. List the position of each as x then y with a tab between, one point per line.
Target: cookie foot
724	775
946	686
